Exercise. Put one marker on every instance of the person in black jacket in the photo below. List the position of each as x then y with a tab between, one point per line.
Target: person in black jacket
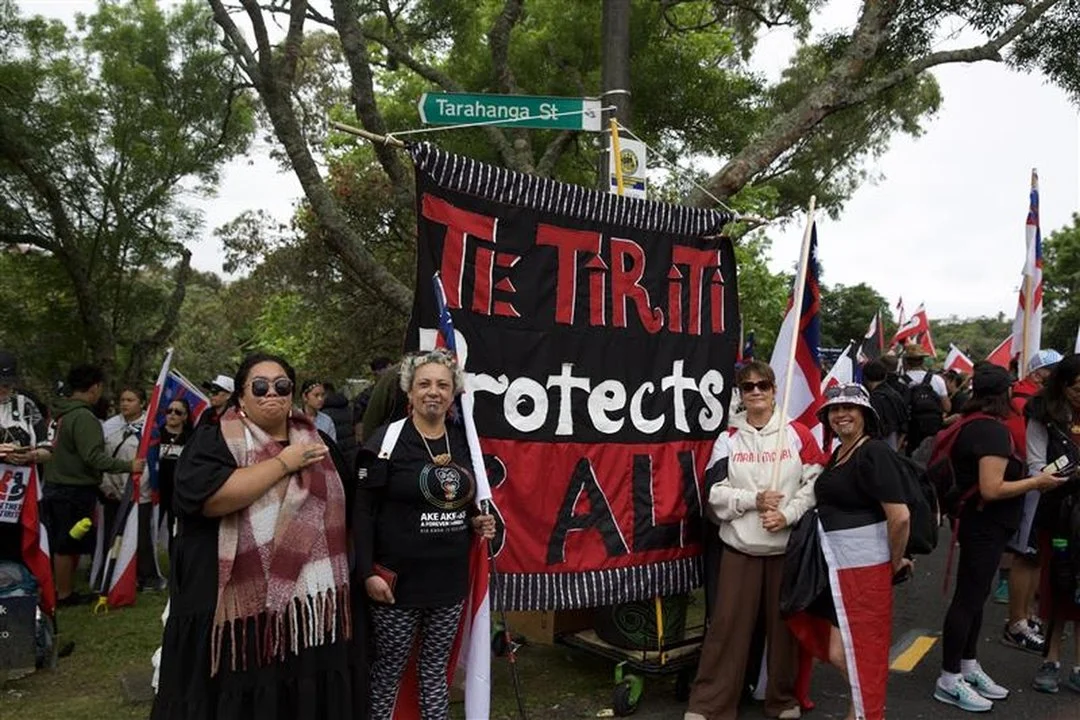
336	407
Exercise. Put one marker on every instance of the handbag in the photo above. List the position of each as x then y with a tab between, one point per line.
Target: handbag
806	575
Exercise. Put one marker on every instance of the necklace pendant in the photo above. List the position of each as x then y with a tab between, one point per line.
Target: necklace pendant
442	459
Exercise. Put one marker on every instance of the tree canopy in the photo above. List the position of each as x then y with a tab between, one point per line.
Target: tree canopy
694	93
103	128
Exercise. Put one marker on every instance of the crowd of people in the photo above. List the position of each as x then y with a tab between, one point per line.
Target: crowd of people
288	536
304	565
1010	448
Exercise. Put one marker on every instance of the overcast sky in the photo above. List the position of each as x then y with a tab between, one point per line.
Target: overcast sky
944	225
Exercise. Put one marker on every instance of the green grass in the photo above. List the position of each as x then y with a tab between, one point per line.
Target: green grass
86	685
556	682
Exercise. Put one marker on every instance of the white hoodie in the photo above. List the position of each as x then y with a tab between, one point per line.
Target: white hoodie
741	466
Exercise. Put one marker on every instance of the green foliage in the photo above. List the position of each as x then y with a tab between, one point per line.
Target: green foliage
102	128
846	311
762	294
1061	286
976	337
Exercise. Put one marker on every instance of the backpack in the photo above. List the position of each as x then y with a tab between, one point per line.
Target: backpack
926	416
952	497
921	498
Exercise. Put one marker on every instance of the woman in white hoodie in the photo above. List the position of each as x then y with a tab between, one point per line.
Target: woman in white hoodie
754	516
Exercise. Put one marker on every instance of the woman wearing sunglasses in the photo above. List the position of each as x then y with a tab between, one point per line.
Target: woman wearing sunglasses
416	514
173	435
863	526
260	616
754	503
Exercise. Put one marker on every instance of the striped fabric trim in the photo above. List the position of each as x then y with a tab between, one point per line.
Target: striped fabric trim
859	546
570	591
456	172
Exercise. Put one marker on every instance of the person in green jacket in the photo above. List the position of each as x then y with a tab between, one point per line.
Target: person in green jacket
74	474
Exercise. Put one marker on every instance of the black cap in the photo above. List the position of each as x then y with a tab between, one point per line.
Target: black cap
990	380
8	370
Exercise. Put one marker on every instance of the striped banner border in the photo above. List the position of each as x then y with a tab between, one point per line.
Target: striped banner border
572	591
465	175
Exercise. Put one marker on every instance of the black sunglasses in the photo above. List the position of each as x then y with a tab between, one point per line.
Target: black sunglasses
749	386
845	391
260	387
176	411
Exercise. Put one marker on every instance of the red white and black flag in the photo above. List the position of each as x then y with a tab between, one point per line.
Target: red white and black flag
873	344
601	334
860	581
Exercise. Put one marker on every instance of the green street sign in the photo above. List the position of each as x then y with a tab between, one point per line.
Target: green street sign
558	113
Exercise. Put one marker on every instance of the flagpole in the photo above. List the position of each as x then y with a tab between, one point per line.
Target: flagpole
1025	351
796	308
616	158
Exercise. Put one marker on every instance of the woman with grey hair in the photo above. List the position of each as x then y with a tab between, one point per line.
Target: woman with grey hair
415	510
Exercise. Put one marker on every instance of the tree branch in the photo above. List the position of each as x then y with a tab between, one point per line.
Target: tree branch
785	130
990	50
553	152
241	51
498	137
142	348
294	39
15	238
841	89
262	37
499	42
353	47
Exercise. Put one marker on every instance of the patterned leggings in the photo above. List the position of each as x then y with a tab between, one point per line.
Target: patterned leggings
395	630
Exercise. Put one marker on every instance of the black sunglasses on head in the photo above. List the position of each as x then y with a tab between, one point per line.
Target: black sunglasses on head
260	387
749	386
845	391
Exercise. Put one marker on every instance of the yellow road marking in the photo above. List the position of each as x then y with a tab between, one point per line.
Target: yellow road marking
907	660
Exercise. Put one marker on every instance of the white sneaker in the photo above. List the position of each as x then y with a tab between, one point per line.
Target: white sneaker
792	713
985	686
693	716
962	696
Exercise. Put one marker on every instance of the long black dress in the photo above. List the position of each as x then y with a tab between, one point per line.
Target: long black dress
315	684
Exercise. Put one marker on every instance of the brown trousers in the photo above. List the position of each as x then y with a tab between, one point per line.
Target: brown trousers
747	586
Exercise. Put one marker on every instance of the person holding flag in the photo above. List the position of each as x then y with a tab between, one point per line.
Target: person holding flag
416	507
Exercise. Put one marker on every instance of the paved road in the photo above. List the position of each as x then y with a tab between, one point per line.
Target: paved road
920	605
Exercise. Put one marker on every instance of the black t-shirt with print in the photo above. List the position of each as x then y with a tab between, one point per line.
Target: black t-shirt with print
981	438
867	479
421	519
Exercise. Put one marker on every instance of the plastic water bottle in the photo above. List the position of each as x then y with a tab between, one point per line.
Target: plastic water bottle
78	530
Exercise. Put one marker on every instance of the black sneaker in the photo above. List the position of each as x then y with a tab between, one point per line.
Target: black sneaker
1025	639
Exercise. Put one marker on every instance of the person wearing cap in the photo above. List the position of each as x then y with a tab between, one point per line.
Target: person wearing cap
220	389
864	524
754	516
984	460
312	399
1053	435
1023	573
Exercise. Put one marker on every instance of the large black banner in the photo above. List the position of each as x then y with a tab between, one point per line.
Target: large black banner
599	335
